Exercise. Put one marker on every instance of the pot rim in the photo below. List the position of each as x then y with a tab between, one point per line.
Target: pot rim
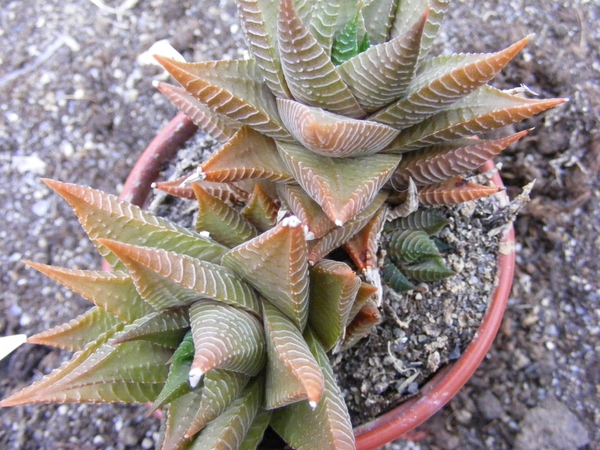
438	391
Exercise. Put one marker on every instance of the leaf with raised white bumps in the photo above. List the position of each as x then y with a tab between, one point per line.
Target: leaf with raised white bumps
342	186
104	216
225	338
293	374
167	279
333	135
176	420
379	17
276	264
308	70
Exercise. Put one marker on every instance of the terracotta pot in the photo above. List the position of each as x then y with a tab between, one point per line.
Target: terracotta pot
446	383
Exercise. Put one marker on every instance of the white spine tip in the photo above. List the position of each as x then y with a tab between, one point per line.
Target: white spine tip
155	83
313	404
338	223
195	376
291	221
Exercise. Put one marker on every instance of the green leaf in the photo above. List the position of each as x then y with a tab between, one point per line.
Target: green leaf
167	279
216	126
293	374
333	288
485	109
332	135
261	210
411	246
430	270
342	186
394	277
276	264
105	216
228	430
259	23
327	427
454	191
323	21
442	81
248	154
77	333
379	17
363	323
177	380
231	88
310	74
363	246
345	44
427	220
114	292
166	328
220	389
255	434
225	338
384	72
176	419
225	224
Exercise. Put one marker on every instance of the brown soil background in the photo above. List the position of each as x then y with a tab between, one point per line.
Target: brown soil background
76	105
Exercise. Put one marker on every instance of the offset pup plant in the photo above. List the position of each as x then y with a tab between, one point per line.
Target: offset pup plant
337	123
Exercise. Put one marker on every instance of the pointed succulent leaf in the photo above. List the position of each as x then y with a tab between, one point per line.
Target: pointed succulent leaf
255	434
339	235
219	390
367	318
176	420
306	209
105	216
167	279
441	162
366	292
454	191
333	289
394	277
345	44
485	109
276	264
430	270
363	246
379	18
293	374
259	23
411	246
29	395
112	291
78	332
225	224
428	220
261	210
228	430
225	338
326	427
103	373
384	72
443	81
409	11
323	20
183	189
342	186
332	135
177	380
247	155
309	72
216	126
232	88
166	328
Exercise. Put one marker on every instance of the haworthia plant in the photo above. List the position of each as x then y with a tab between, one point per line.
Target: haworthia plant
338	113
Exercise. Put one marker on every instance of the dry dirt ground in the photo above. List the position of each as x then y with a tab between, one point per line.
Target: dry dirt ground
77	104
